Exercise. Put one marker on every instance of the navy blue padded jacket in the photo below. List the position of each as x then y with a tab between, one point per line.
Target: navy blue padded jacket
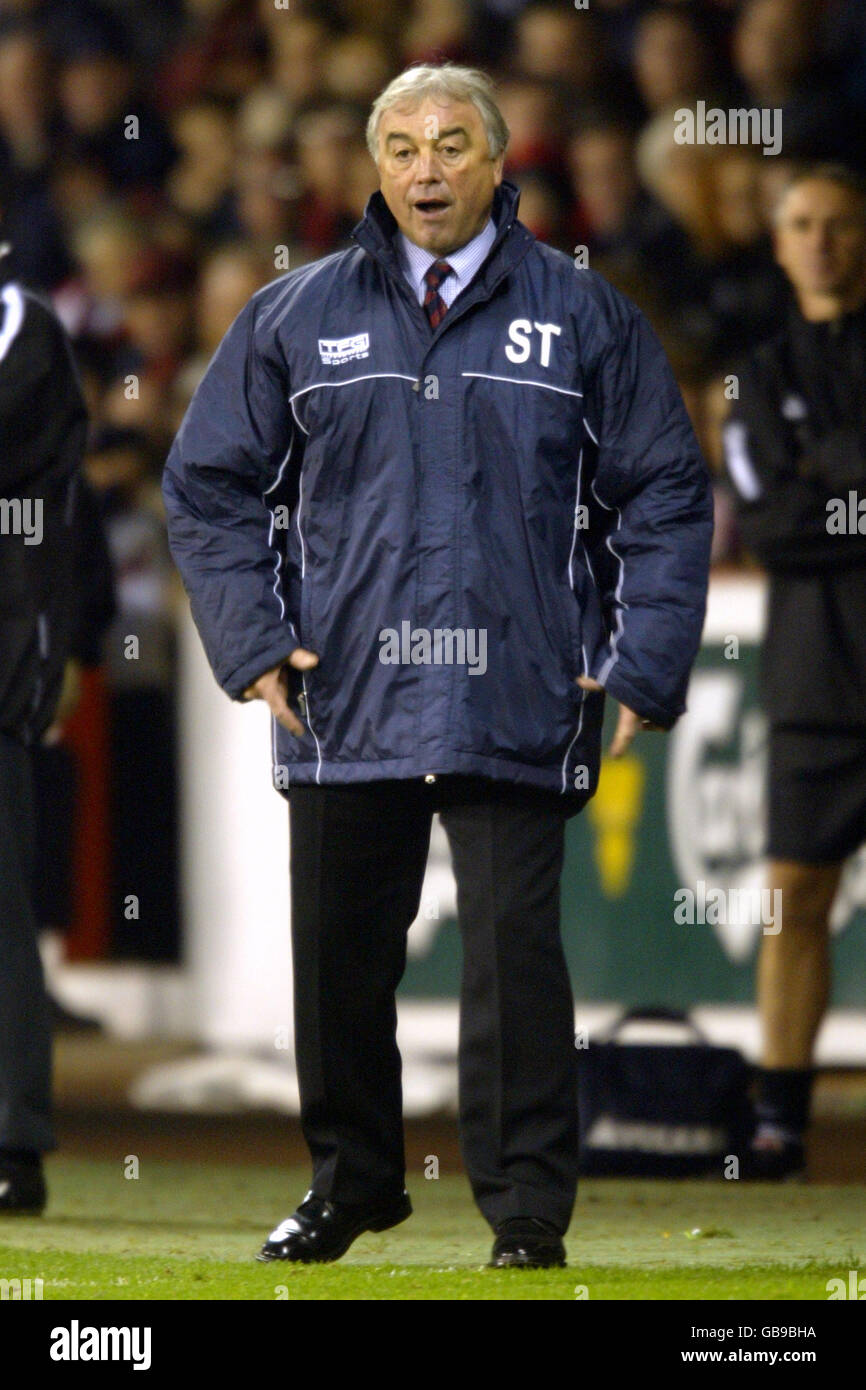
347	478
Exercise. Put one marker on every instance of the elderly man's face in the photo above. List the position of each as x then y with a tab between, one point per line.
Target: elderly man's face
436	172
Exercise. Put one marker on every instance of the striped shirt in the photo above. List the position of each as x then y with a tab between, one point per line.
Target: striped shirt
465	263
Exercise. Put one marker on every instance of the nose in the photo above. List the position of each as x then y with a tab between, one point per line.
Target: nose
824	238
428	169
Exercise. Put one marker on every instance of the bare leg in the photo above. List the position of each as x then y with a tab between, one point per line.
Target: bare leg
794	965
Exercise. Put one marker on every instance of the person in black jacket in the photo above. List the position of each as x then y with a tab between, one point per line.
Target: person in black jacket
796	451
42	427
55	770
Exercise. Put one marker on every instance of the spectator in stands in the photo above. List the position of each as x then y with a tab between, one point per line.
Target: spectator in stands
625	230
356	65
25	100
99	97
229	276
219	50
556	43
155	324
671	64
109	248
437	29
200	184
325	136
745	291
298	41
533	114
777	55
40	257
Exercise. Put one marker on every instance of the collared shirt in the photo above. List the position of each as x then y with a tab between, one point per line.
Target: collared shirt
465	263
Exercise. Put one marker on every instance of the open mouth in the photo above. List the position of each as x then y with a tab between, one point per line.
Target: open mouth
428	206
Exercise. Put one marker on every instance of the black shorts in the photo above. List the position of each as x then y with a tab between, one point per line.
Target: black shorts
816	794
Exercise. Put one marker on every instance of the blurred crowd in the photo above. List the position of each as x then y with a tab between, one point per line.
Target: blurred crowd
160	162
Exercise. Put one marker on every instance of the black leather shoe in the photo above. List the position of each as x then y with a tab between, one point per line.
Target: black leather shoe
525	1242
22	1185
321	1230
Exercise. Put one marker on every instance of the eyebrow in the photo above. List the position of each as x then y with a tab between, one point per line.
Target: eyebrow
452	130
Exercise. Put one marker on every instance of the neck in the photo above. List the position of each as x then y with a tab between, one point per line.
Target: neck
442	252
821	308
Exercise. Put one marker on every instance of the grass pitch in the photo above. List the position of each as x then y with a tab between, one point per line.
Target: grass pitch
190	1231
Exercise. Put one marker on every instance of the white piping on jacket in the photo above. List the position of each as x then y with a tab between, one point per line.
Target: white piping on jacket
620	604
579	725
304	676
518	381
13	318
350	381
740	466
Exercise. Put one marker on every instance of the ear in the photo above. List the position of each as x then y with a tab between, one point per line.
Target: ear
498	166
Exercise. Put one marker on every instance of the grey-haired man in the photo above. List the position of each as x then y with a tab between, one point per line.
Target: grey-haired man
458	422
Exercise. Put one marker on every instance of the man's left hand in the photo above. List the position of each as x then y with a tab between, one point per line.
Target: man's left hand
627	726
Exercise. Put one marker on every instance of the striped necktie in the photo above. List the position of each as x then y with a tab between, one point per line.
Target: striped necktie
434	305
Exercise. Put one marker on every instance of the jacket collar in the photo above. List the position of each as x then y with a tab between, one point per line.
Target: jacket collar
376	234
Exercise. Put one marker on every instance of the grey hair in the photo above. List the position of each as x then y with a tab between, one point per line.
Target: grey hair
442	80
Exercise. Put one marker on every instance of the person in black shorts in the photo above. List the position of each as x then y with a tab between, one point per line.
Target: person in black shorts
795	446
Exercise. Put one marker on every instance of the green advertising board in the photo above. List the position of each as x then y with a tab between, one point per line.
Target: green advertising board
675	832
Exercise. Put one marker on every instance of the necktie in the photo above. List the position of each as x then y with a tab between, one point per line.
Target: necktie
434	305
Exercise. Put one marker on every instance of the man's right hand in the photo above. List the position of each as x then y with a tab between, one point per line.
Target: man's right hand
273	688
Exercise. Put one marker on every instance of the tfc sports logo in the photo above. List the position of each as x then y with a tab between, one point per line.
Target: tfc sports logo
333	351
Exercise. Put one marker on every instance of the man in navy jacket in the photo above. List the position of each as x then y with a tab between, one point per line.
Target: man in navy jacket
434	496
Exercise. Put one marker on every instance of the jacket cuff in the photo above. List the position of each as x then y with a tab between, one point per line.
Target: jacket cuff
638	700
244	676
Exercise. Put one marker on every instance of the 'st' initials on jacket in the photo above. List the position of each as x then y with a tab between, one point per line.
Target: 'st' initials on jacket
526	470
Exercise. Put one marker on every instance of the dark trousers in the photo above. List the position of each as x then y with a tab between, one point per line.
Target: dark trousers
358	856
25	1032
